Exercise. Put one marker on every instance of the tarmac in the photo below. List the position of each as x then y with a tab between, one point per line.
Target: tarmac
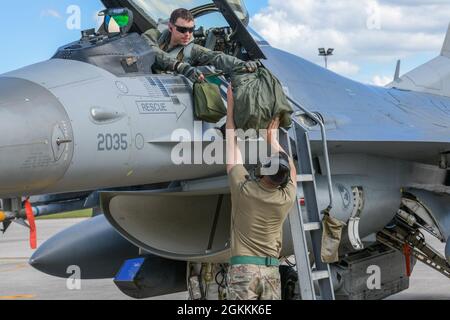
18	280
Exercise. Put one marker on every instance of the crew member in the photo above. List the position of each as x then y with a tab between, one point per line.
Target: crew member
259	209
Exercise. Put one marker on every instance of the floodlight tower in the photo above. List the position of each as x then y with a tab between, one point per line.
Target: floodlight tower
326	54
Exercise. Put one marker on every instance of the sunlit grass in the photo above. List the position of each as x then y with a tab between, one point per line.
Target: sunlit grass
68	215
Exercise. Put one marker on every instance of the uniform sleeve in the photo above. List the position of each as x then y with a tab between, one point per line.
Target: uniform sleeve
201	56
237	176
163	61
152	36
291	191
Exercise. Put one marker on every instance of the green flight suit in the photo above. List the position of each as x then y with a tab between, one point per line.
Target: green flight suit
196	55
163	61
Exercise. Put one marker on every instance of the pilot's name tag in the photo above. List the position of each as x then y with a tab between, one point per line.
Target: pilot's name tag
151	107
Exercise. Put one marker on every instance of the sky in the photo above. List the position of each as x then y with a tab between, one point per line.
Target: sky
368	35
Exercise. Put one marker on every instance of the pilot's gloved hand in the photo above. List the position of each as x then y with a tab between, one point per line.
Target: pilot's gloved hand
192	73
251	66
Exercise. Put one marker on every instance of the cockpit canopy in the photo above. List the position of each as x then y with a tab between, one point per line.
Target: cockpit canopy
150	14
161	9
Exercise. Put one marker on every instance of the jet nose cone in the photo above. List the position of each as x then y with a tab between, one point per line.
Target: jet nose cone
30	118
35	261
49	257
92	245
42	259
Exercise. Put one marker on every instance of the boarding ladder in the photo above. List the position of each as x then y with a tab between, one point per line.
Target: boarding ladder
298	139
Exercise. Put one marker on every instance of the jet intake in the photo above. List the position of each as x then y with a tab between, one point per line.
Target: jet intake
175	225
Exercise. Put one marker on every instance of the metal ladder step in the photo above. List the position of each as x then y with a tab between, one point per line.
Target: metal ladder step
320	275
312	226
305	178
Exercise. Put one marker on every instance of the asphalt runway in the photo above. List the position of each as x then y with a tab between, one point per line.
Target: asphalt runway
18	280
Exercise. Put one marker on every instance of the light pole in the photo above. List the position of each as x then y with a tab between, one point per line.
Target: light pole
326	54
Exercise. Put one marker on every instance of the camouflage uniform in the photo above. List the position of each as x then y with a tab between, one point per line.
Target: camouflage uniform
252	282
163	61
257	218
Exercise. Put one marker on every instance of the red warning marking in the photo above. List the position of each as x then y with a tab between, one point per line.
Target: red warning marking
407	253
31	222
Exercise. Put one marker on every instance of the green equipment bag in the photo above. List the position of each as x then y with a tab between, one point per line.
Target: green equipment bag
259	98
208	103
331	238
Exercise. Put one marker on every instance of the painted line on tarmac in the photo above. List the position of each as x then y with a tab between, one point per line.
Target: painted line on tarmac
18	266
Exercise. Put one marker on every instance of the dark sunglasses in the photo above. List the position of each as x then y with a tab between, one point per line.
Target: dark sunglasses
184	29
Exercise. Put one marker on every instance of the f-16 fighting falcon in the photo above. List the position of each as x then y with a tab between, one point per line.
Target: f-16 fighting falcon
100	129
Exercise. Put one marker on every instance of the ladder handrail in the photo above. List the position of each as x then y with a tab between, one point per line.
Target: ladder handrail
325	148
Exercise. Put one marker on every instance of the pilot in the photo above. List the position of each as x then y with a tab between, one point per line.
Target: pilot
166	63
259	209
177	41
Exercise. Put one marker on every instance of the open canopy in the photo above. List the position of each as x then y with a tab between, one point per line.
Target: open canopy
155	10
161	9
148	13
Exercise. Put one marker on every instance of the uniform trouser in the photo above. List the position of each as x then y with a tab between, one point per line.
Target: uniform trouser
252	282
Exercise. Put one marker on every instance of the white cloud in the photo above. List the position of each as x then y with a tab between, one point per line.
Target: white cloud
361	31
381	81
51	13
344	68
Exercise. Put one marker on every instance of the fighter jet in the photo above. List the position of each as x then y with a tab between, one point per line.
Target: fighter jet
96	118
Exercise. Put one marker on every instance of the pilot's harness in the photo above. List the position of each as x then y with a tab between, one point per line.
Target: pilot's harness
182	53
